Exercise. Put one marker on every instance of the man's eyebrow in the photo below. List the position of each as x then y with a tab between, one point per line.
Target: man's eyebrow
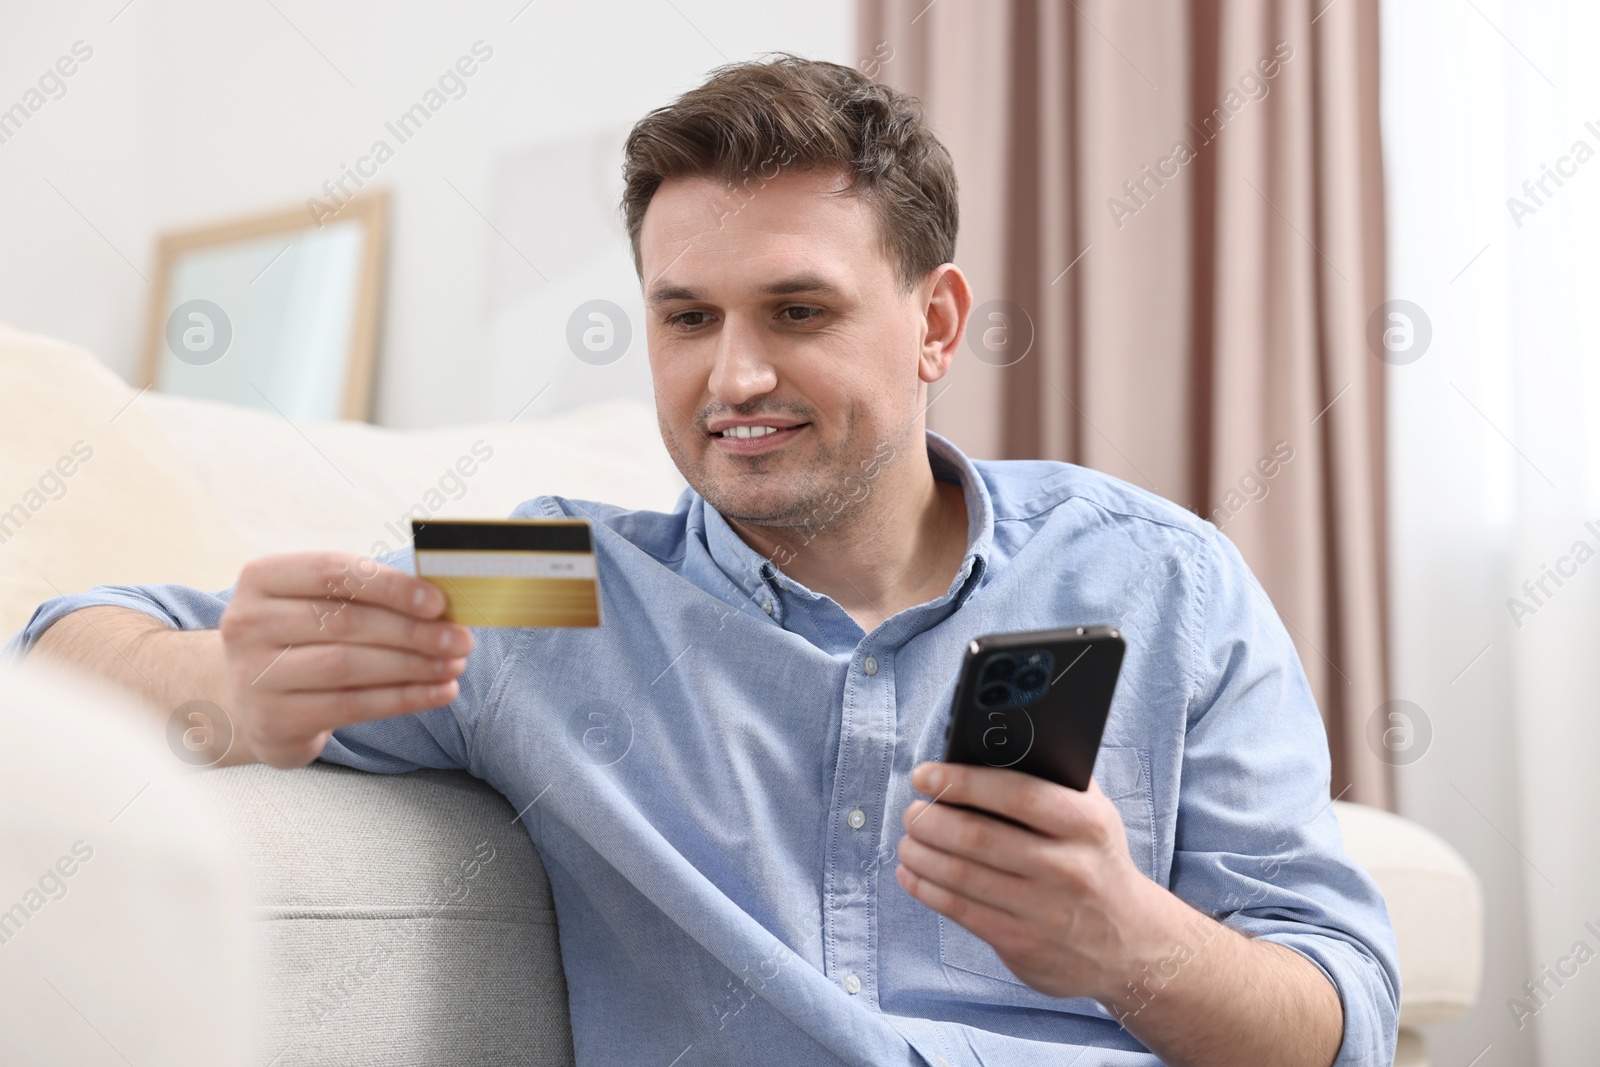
790	286
663	294
801	283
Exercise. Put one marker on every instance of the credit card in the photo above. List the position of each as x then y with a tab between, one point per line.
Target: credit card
511	572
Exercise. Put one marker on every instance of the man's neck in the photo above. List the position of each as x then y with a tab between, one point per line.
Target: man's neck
898	547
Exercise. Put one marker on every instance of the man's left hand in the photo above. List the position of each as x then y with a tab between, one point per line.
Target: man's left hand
1061	903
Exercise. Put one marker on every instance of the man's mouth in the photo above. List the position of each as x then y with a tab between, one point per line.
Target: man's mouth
743	439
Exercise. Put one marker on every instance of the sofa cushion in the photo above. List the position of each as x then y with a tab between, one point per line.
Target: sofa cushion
355	486
175	489
91	489
407	919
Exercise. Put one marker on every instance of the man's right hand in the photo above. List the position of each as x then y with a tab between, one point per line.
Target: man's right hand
313	641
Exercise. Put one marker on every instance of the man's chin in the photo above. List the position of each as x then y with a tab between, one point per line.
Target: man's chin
769	509
771	498
777	490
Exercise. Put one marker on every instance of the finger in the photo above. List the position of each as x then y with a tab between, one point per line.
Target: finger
1051	809
289	755
336	577
983	920
292	621
1001	890
975	836
305	713
343	665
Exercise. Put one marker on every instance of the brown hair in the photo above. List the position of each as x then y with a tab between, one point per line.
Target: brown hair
750	121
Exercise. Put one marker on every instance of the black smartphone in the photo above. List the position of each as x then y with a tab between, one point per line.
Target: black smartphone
1036	702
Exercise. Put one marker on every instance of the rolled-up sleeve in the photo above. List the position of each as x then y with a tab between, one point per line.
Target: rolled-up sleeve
178	606
432	738
1257	842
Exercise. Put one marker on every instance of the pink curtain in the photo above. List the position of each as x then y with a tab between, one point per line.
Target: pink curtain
1180	204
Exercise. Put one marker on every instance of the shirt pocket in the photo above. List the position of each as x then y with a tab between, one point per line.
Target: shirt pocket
1124	776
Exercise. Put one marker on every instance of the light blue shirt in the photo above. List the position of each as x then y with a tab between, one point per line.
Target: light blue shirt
715	778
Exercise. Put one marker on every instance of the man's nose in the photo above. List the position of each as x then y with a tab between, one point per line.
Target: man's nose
743	368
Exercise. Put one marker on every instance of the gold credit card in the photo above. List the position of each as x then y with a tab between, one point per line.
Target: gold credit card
511	572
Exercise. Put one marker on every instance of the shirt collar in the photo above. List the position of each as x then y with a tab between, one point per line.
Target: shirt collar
762	584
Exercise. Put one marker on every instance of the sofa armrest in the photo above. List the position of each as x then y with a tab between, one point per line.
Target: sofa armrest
121	933
1435	903
407	919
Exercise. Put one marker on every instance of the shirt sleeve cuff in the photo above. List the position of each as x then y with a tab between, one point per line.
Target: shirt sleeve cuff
52	611
1368	995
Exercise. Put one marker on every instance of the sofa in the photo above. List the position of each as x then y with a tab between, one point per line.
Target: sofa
383	919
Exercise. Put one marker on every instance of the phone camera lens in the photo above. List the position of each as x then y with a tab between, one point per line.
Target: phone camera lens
999	668
1032	676
994	695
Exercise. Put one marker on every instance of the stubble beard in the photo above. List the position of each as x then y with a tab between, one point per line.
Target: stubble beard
780	491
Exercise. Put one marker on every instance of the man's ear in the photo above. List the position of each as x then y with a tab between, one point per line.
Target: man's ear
946	301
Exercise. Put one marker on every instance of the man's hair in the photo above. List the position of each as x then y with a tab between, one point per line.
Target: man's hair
749	121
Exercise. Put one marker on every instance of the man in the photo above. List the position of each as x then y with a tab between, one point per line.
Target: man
749	876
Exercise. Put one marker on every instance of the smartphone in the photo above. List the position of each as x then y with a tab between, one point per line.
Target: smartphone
1036	702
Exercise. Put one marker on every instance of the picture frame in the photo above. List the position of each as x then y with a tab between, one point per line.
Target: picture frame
304	343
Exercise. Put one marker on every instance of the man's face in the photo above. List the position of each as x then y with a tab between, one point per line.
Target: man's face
772	308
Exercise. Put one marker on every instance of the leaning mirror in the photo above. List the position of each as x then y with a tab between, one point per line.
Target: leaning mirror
275	311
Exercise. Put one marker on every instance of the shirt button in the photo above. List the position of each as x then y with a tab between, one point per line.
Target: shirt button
870	665
852	984
857	818
766	606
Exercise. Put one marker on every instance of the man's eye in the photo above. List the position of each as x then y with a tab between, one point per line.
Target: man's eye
800	313
689	318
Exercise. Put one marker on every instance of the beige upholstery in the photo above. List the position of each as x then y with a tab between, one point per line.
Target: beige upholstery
1435	903
181	490
122	934
346	869
409	911
130	512
349	485
1411	1050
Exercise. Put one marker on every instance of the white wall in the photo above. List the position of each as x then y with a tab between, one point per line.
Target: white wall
190	112
89	151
